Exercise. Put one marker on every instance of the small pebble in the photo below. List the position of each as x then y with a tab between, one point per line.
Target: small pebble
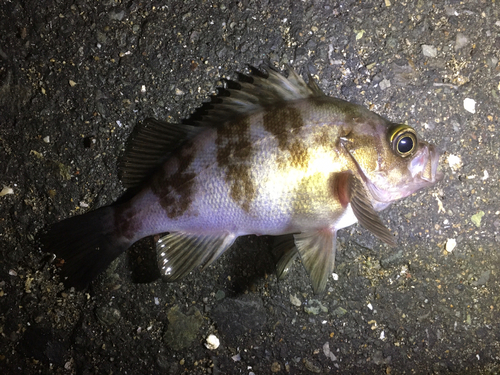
476	219
455	162
470	105
6	190
275	367
429	51
451	243
327	352
384	84
116	15
461	41
294	300
450	11
212	342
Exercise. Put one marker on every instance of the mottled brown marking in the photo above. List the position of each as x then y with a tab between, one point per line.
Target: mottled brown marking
126	223
299	155
282	122
175	191
234	151
323	138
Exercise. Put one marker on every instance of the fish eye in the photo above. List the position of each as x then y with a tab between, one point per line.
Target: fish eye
403	140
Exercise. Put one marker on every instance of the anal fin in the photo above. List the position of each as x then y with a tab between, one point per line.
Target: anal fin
179	253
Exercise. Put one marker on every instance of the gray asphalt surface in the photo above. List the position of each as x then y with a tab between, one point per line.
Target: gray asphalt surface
75	78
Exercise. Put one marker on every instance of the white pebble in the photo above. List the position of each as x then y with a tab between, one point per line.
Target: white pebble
470	105
451	243
384	84
294	300
6	190
429	51
461	41
328	353
212	342
455	162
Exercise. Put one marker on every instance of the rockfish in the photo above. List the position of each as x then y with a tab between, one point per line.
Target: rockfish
268	155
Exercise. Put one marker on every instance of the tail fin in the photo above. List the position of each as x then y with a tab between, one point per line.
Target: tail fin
88	243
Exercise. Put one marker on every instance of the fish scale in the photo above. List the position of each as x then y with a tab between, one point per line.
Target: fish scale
268	156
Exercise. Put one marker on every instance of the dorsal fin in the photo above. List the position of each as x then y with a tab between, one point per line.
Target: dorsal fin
153	140
252	92
149	146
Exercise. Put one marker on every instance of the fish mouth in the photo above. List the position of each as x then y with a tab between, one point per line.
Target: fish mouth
423	172
424	166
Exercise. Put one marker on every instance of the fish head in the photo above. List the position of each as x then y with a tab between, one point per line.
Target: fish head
391	159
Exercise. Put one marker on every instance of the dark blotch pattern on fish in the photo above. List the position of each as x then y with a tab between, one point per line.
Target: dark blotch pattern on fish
175	191
325	138
234	151
283	123
124	221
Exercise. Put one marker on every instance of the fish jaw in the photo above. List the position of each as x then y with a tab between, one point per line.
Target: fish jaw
422	172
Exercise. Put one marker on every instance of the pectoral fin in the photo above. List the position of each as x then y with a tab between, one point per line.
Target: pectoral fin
317	251
179	253
349	189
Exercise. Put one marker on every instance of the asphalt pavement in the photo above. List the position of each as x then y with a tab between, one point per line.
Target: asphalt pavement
76	77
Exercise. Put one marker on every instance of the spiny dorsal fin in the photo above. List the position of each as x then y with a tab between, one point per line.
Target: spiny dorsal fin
153	140
252	92
148	147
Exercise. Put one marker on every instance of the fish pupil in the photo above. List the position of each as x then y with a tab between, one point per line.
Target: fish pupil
405	145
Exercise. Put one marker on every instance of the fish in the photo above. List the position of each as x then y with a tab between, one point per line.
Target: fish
268	154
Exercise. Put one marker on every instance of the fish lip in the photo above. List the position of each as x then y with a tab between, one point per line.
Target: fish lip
430	172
